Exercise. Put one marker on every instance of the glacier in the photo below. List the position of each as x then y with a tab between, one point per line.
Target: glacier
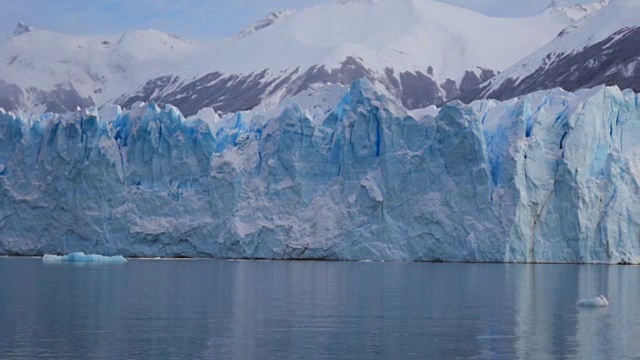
82	258
547	177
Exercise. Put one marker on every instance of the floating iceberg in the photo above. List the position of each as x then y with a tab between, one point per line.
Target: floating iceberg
549	177
81	257
600	301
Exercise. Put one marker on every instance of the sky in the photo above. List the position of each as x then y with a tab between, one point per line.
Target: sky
194	19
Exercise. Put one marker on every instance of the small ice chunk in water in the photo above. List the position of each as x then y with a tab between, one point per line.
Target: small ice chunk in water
80	257
600	301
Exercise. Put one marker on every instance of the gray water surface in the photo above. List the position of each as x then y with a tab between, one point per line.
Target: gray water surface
315	310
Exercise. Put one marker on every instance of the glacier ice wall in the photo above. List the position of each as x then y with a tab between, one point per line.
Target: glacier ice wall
549	177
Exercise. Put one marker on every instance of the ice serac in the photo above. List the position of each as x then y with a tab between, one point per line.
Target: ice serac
550	177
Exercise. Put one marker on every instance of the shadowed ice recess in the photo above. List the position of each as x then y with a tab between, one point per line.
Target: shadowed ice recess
335	173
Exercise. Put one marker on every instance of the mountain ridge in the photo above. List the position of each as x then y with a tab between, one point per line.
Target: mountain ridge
602	49
418	52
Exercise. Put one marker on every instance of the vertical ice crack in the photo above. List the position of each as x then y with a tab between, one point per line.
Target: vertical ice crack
536	219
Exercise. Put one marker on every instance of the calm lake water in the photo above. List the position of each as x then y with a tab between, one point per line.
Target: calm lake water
315	310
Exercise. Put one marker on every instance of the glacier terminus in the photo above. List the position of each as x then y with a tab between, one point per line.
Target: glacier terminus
340	173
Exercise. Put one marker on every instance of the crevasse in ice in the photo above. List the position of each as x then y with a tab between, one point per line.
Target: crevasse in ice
549	177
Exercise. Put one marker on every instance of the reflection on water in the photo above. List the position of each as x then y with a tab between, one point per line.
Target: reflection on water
322	310
550	326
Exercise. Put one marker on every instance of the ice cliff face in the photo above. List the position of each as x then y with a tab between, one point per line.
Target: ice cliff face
551	177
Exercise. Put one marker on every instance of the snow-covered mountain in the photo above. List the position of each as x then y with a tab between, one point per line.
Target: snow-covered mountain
420	51
576	12
600	49
47	71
